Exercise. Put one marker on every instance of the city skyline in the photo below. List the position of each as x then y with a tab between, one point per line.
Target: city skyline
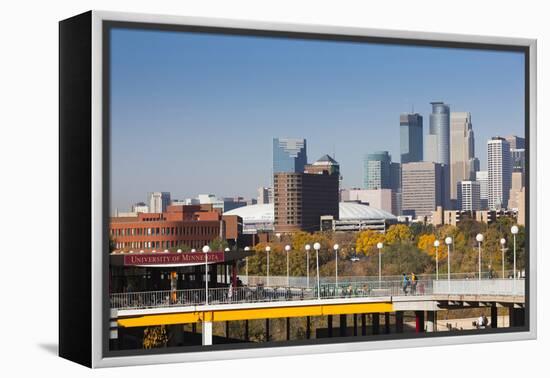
154	110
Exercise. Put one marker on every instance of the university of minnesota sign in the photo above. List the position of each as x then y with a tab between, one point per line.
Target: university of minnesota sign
172	258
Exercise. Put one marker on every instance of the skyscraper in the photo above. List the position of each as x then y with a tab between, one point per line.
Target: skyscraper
468	195
482	179
302	198
158	201
515	141
289	155
437	140
377	168
265	195
411	137
463	162
424	187
515	190
518	160
499	172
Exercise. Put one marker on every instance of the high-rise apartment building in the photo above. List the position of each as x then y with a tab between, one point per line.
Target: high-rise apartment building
437	141
158	201
424	187
289	155
468	196
377	167
499	172
483	179
463	163
300	199
411	137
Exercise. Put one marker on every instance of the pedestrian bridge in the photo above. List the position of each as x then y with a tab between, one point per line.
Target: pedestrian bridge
173	307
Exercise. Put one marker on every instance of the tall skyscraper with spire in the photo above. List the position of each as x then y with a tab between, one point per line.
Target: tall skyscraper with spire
463	163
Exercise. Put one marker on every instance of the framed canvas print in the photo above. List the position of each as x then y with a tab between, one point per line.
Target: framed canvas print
234	189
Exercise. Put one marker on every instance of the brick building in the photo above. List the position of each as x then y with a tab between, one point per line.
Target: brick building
192	225
302	198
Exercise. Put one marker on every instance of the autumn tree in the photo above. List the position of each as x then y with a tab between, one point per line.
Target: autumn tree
398	233
367	241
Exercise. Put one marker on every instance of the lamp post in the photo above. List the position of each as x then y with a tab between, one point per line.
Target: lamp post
515	230
205	250
287	249
449	241
479	238
503	249
336	246
436	245
246	249
380	245
307	247
267	249
317	247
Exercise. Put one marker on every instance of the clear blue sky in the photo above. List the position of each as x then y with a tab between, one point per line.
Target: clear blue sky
196	113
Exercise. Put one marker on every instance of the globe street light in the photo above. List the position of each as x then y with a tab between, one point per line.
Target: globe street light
227	249
287	249
336	246
479	238
380	245
307	247
205	250
246	249
515	231
436	245
317	247
267	249
449	241
503	249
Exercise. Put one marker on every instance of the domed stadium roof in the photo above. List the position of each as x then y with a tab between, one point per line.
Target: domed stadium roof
263	213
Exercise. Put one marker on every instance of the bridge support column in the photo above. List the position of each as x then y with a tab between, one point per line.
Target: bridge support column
419	316
246	335
399	321
206	333
329	320
375	324
227	330
288	328
431	323
494	316
363	324
354	324
308	327
343	325
267	330
386	322
113	330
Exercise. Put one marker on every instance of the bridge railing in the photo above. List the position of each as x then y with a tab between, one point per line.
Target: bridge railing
480	287
301	281
247	294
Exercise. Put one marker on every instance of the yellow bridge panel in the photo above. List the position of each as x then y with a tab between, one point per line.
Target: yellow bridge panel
250	314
